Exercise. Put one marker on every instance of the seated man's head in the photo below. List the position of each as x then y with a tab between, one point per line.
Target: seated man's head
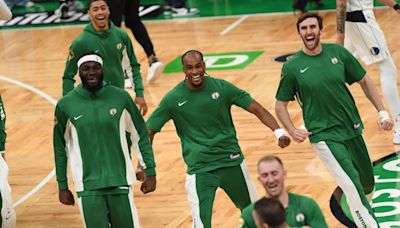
269	213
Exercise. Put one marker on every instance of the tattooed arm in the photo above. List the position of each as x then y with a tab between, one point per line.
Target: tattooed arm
341	7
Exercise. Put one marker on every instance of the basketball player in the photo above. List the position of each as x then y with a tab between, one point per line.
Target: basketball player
90	126
7	213
358	29
317	76
104	38
300	210
200	107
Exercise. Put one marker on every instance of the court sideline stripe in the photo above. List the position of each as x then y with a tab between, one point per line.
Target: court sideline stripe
53	102
233	25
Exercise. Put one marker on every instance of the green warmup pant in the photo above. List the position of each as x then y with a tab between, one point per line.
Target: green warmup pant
201	188
349	163
110	210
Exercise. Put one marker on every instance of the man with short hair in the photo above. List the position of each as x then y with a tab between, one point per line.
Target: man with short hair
269	213
200	107
300	210
7	213
113	44
90	129
317	76
361	34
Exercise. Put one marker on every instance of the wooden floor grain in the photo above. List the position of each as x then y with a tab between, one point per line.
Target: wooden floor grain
37	57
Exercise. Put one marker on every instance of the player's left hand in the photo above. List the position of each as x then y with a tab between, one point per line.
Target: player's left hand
149	184
142	104
283	141
65	197
385	122
386	125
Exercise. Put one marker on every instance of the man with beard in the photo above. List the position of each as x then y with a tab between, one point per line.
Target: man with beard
200	107
90	126
317	77
299	210
101	36
361	34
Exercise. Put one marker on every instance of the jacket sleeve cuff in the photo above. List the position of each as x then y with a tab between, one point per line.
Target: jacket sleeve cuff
139	92
62	185
150	171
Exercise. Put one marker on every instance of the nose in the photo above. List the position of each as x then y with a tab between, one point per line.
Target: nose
195	71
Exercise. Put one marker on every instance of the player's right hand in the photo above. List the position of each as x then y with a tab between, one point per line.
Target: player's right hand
284	141
65	197
300	135
149	184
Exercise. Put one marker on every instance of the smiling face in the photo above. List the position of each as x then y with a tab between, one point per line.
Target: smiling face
272	177
91	74
194	69
98	13
310	33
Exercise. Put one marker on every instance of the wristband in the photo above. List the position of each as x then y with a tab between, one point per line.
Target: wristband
396	7
279	133
383	115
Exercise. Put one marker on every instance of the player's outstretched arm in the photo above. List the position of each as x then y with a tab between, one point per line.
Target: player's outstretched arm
268	120
372	94
391	3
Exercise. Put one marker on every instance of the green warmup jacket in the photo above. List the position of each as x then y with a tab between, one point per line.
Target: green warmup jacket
115	48
3	134
301	211
90	130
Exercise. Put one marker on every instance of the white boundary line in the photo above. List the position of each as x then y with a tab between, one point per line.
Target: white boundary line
233	25
53	102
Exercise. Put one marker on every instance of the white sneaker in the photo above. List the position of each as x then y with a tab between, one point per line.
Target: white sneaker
396	137
154	71
184	12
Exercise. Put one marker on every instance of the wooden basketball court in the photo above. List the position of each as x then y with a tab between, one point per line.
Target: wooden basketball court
36	57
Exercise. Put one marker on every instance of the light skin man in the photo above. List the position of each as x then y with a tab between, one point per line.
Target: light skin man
333	124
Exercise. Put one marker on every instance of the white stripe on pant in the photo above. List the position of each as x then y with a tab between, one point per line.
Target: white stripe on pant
194	199
360	213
